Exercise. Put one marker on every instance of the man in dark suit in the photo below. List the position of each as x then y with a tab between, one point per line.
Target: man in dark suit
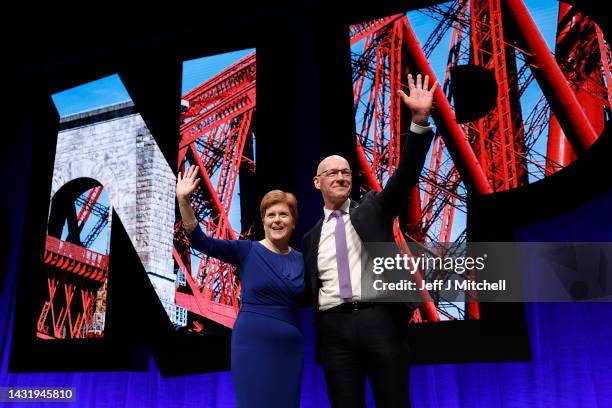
356	339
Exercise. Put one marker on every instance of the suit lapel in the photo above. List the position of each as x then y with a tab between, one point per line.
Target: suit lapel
355	219
313	255
315	237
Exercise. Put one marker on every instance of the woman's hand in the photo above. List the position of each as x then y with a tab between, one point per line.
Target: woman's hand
187	183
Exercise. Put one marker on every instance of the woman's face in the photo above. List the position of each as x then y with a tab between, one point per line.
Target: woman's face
278	222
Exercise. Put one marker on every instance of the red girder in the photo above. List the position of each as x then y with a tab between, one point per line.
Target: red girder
559	153
583	57
90	201
220	87
76	259
606	59
455	139
440	192
360	31
555	86
499	144
232	159
217	120
226	110
201	301
77	269
216	202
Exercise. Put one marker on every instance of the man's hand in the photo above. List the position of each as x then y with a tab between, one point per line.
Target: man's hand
421	98
187	184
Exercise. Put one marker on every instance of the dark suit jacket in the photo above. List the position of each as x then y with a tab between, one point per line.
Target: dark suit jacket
372	217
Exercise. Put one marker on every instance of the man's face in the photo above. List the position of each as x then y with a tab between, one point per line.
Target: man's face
334	179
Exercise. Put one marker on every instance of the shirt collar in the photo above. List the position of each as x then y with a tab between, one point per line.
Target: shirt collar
344	207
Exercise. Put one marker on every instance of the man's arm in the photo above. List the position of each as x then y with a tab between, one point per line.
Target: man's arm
310	245
306	300
414	148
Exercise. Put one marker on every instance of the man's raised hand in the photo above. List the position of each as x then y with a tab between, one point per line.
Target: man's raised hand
421	98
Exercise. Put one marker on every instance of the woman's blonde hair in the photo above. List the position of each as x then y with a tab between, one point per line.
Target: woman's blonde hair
277	197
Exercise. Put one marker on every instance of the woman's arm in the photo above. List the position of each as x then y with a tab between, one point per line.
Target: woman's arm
184	187
230	251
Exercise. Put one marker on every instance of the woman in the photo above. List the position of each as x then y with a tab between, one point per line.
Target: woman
267	342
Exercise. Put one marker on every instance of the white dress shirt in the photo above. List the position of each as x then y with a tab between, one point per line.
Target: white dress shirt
329	292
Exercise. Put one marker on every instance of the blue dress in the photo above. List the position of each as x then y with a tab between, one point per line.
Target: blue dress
267	340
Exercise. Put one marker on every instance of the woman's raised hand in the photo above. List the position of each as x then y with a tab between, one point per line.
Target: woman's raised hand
187	183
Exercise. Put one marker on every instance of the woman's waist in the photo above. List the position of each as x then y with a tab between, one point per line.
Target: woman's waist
282	312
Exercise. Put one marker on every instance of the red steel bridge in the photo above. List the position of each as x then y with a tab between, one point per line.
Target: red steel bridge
512	145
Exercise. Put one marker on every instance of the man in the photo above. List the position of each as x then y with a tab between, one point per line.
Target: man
356	339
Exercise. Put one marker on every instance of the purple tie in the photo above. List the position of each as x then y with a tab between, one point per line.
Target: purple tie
344	273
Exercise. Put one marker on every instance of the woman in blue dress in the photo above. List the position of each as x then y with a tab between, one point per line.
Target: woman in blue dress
267	347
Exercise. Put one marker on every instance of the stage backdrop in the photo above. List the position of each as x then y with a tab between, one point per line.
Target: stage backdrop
571	343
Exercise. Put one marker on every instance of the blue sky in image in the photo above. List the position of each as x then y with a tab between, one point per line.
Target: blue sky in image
199	70
97	94
110	90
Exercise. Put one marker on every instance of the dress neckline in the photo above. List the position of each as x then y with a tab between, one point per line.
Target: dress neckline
276	253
